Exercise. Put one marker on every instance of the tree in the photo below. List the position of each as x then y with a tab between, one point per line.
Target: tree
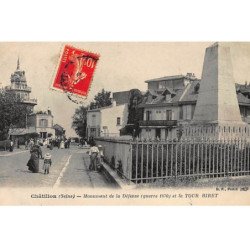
13	114
101	99
135	113
79	123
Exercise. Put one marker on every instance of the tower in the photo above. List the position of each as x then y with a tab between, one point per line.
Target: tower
20	88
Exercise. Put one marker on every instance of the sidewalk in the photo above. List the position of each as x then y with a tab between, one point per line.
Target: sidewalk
15	151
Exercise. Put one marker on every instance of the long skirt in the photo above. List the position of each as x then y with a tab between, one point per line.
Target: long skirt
33	163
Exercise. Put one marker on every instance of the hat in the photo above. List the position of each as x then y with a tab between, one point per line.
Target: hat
47	156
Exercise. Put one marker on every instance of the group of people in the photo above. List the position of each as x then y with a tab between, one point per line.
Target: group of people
63	143
95	154
29	143
35	155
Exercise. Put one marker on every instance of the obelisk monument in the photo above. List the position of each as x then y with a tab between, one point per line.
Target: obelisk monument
217	100
217	106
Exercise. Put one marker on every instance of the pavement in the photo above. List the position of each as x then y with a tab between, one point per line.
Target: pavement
69	169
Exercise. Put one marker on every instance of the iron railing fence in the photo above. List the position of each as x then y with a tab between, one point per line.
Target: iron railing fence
153	160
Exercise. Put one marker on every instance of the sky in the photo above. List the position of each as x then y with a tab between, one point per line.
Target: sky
122	66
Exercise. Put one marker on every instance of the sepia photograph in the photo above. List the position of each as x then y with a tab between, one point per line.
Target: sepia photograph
120	121
124	124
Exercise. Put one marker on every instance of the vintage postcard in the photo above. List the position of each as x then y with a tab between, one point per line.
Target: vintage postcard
124	123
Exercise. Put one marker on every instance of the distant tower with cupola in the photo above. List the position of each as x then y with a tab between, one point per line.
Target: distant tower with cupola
20	88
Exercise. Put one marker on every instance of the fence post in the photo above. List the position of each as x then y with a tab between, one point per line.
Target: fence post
180	160
176	159
189	157
166	166
157	158
131	162
171	163
142	156
152	162
238	162
247	156
136	161
147	161
209	157
162	155
185	157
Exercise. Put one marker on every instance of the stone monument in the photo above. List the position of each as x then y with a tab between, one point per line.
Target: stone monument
217	113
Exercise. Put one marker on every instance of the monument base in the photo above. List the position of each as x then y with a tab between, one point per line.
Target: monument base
216	131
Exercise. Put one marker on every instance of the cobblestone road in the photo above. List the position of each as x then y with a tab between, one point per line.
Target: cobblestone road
69	169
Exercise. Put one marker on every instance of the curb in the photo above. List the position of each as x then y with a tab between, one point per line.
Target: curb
112	176
12	153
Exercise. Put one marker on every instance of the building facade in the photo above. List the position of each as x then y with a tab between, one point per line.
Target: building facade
42	122
170	102
107	121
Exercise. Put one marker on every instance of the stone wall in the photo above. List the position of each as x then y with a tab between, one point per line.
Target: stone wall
118	155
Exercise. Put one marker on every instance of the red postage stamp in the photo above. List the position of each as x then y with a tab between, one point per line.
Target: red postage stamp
75	71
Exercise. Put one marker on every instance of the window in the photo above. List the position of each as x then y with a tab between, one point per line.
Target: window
148	132
168	97
158	133
192	111
148	115
93	120
168	115
118	121
161	85
43	123
181	112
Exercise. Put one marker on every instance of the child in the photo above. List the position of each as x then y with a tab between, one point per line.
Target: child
47	163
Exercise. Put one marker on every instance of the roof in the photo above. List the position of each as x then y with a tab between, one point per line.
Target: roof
57	126
166	78
185	95
22	131
175	77
99	109
245	89
242	99
171	91
121	97
188	95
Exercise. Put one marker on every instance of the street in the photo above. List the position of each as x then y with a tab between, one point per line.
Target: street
69	169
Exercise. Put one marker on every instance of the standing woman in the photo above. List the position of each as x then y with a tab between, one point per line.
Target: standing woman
11	146
62	145
33	162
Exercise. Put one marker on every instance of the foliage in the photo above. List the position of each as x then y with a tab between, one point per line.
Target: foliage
12	113
135	113
59	132
101	99
80	121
